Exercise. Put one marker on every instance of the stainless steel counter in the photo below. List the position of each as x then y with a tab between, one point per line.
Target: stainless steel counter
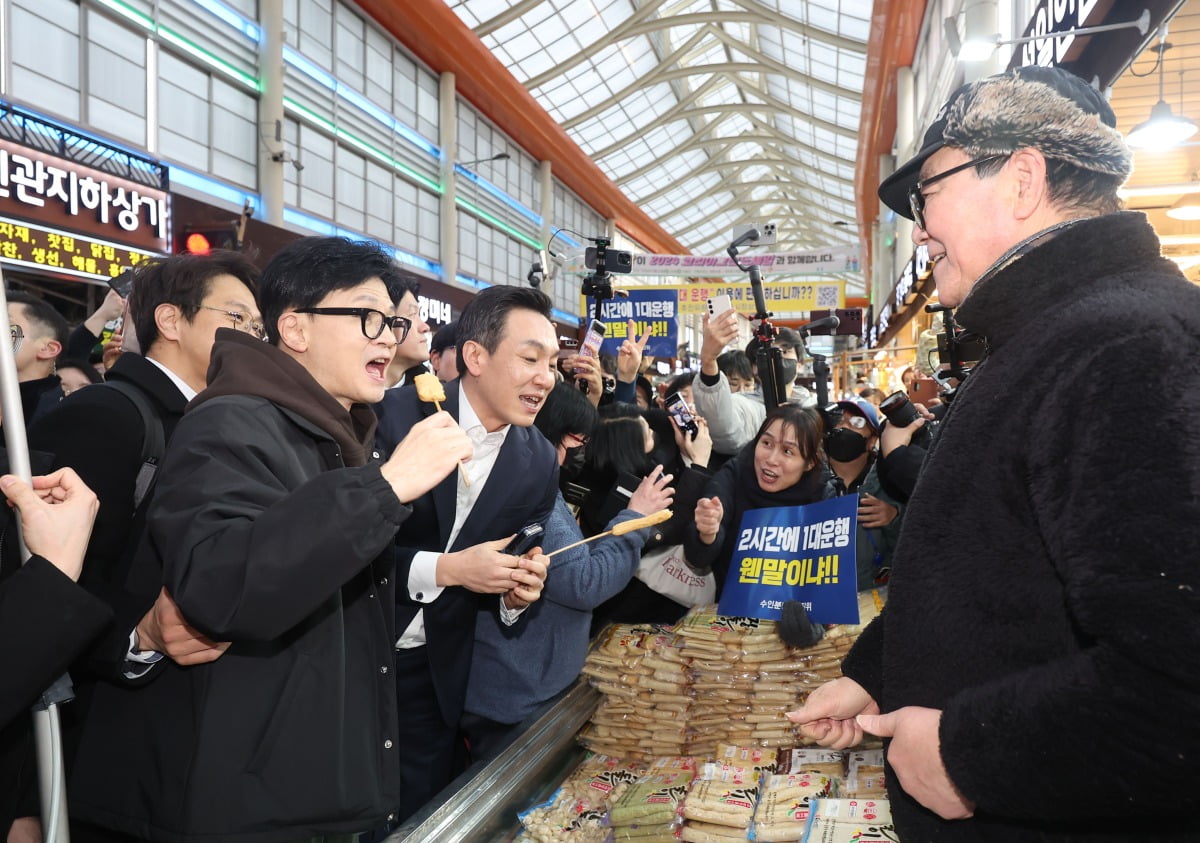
482	804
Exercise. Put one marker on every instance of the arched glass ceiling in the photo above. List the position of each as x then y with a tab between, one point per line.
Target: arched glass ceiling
706	113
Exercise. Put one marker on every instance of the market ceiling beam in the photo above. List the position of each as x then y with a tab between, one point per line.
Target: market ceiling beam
642	24
434	33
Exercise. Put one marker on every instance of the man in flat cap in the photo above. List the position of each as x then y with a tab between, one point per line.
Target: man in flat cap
1037	676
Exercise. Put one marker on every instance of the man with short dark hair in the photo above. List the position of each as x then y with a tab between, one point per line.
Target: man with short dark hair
443	352
1038	663
412	353
449	559
176	305
39	335
272	527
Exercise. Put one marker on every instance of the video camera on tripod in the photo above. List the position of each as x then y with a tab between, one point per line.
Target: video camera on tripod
599	258
603	261
768	357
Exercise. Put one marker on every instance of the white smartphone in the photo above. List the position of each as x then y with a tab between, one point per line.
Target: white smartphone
592	342
718	304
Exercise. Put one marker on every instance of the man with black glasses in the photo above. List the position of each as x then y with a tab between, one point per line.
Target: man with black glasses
176	305
272	527
1037	668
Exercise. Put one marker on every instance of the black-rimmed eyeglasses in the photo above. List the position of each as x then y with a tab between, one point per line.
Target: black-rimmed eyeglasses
916	195
373	321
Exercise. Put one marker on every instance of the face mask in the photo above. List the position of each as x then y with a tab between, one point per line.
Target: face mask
787	370
844	445
573	464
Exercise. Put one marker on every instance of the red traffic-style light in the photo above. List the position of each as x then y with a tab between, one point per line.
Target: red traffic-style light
197	244
204	238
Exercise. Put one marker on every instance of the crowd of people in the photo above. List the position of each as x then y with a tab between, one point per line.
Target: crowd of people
299	615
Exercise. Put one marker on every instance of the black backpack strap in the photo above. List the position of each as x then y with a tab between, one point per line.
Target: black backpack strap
154	439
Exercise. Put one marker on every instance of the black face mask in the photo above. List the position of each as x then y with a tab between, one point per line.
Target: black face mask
844	445
787	371
573	464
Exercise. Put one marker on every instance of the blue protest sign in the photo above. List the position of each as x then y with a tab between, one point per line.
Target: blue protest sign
651	310
803	553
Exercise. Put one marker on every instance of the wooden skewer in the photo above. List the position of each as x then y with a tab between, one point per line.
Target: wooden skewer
461	469
582	541
623	528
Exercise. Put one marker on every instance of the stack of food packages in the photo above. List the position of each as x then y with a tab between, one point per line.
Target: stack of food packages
850	821
643	675
711	679
747	793
648	812
720	805
578	809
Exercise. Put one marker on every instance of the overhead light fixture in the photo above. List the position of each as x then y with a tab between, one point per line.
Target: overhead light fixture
499	156
1163	129
1186	208
980	47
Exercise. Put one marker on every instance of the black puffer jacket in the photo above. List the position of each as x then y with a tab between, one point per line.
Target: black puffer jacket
1056	619
274	528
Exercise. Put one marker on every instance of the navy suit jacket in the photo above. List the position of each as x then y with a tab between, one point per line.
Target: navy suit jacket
520	490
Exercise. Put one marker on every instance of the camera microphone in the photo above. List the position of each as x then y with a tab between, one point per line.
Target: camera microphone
794	627
830	322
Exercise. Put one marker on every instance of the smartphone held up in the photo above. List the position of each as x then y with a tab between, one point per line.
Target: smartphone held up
682	415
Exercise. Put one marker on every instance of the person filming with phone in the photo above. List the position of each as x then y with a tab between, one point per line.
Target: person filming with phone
734	417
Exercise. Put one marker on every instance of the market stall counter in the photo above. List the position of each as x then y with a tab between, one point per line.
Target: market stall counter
482	804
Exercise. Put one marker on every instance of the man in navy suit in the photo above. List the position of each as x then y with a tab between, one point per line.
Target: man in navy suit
449	559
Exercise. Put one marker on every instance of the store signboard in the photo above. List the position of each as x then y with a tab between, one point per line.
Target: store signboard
36	246
1056	18
435	311
60	194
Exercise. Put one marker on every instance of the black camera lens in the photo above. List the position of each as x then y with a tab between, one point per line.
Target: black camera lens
898	409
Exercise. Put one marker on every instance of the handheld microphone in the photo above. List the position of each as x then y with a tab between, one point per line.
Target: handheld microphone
830	322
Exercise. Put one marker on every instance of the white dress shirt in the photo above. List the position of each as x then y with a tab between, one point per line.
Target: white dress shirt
422	573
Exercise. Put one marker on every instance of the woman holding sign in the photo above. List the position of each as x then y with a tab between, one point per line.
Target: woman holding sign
784	465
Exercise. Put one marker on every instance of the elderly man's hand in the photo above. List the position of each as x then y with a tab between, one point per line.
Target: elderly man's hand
915	755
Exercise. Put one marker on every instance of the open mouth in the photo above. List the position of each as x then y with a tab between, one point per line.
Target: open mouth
377	369
532	402
767	475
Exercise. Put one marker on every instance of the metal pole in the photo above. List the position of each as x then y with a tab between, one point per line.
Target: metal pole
46	730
